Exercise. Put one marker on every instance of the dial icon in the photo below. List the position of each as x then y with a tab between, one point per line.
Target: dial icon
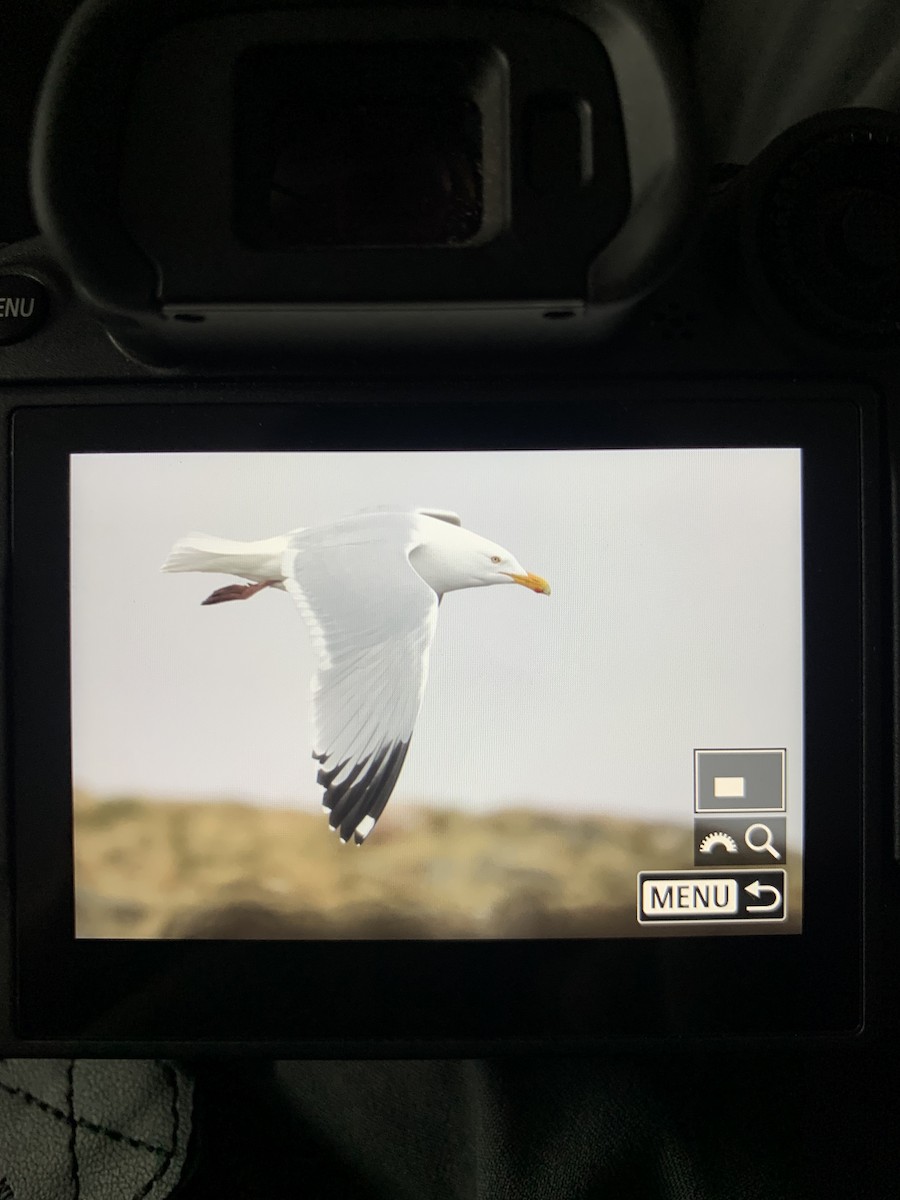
712	840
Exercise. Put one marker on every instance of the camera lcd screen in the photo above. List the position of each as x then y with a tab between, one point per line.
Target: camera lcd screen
444	695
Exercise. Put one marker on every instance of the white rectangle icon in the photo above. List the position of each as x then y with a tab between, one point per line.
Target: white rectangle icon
689	896
729	787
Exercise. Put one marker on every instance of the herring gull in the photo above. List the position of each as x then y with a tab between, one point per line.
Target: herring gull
368	587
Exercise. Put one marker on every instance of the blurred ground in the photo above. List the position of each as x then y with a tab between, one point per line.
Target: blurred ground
146	869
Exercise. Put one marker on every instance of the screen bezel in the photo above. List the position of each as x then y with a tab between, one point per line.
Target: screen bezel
439	994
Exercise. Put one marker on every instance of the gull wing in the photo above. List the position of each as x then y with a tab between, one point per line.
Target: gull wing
441	514
371	618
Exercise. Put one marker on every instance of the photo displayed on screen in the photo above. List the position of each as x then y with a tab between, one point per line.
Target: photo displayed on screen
487	694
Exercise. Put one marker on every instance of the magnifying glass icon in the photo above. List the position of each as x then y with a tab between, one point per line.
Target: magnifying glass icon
765	844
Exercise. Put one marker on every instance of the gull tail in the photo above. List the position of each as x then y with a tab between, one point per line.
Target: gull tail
202	552
249	560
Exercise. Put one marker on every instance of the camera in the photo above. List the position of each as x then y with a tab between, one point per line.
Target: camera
367	317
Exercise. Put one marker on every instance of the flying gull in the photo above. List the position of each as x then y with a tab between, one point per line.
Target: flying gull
368	587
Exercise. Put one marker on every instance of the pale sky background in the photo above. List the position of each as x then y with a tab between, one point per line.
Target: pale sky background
675	622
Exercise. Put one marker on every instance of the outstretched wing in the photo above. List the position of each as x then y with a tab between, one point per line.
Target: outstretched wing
441	514
371	619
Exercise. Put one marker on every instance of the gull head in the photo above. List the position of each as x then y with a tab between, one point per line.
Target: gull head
450	558
485	563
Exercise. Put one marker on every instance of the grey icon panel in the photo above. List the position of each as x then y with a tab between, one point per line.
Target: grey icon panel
735	781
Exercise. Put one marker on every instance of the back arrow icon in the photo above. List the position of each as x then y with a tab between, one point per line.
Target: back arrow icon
756	889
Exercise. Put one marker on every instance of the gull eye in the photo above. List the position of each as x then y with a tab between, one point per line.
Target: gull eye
496	558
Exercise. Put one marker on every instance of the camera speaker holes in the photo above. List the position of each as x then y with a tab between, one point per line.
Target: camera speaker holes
559	314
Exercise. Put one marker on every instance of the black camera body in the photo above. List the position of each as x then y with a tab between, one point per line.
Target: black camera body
256	182
419	231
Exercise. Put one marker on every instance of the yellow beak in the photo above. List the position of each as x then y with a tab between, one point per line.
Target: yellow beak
531	581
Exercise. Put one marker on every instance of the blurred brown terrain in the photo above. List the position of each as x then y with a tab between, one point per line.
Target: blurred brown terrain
151	869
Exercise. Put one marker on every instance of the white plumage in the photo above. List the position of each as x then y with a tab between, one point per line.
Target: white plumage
368	588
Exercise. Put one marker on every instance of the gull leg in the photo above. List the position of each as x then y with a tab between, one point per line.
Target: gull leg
238	591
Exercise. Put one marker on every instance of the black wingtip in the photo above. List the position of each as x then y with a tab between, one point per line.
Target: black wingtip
358	800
